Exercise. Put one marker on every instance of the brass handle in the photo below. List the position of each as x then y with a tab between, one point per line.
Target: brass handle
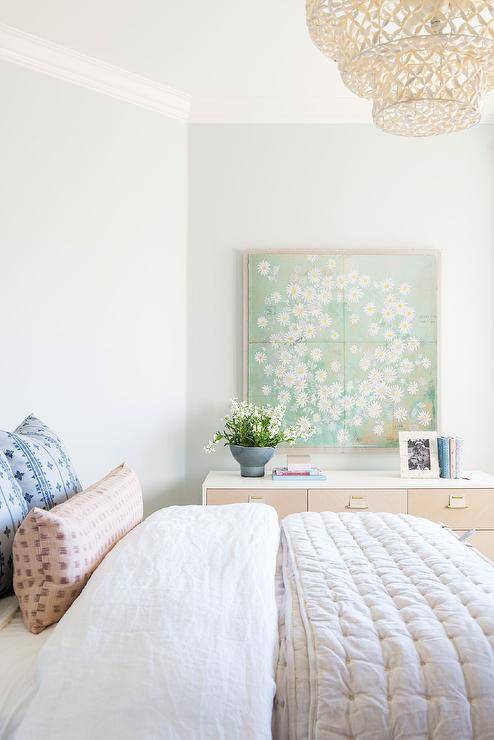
256	499
353	499
461	502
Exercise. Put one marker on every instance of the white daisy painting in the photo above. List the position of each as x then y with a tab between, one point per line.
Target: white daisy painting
346	341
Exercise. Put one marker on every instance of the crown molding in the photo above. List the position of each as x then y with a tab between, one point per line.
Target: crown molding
40	55
57	61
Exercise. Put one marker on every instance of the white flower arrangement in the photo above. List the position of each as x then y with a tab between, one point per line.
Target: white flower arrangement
249	425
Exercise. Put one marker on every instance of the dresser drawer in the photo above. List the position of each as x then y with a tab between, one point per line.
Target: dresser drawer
433	503
392	501
285	501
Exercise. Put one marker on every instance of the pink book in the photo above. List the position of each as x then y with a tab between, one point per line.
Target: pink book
288	473
452	457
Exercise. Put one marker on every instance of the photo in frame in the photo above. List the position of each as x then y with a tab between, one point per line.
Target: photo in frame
419	455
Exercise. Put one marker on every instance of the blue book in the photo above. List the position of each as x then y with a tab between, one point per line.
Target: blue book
443	453
440	455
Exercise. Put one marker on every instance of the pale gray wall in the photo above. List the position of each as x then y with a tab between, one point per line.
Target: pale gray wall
295	186
93	222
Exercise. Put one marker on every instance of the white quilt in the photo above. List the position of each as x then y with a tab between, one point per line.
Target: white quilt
175	635
387	631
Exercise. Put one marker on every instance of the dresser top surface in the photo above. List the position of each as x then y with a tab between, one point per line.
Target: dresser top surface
338	479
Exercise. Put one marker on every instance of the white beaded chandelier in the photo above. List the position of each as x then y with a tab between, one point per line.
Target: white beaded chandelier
426	64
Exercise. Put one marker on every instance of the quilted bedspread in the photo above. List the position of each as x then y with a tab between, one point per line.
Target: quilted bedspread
387	628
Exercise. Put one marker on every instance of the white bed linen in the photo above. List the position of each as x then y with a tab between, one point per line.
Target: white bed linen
8	607
175	635
18	653
387	630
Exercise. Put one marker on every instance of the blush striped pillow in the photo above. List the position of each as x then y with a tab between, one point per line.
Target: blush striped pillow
56	551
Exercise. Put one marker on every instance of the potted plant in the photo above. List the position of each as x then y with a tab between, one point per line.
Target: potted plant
253	432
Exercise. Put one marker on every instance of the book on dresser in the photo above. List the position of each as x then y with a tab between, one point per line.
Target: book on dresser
450	453
461	505
298	473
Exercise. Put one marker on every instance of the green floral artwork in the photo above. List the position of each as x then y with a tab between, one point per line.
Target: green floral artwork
346	342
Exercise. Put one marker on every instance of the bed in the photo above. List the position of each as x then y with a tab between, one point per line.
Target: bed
197	624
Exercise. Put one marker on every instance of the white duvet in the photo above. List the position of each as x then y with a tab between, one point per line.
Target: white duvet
175	635
387	631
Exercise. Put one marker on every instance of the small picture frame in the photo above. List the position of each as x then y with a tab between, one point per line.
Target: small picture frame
418	455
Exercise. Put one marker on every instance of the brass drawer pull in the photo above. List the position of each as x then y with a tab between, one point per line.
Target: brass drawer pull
457	502
357	502
256	499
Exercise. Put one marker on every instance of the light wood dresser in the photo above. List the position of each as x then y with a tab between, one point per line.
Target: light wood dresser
461	505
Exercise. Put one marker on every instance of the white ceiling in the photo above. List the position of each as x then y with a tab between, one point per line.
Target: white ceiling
240	61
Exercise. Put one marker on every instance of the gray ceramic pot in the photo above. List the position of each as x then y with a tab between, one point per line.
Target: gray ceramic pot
252	459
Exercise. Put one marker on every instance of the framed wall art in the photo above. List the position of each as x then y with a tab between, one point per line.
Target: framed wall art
345	340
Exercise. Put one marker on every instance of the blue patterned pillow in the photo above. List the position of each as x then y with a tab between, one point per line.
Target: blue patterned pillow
13	509
40	464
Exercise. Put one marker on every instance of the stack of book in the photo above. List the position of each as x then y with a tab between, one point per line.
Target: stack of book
450	451
295	472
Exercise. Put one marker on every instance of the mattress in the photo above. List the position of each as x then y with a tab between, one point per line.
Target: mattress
387	631
19	651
